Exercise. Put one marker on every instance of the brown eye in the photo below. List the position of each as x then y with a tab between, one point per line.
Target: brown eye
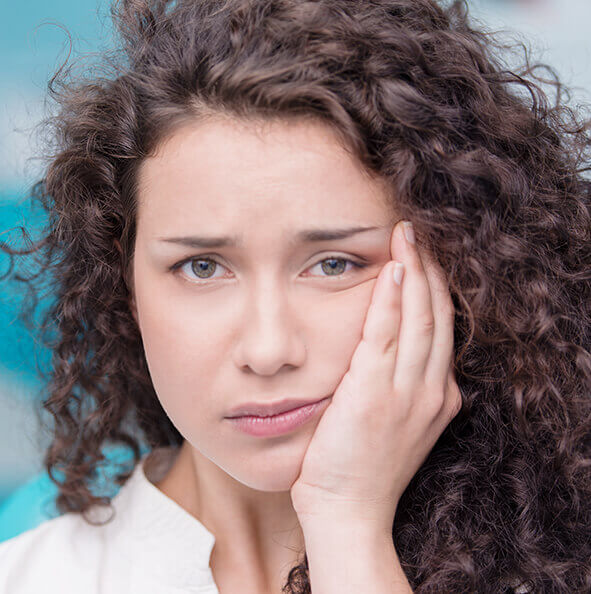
334	266
198	268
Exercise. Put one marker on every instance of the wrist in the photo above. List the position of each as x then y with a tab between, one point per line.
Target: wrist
339	516
353	556
345	536
314	504
346	527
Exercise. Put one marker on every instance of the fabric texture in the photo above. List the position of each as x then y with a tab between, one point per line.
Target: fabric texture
150	546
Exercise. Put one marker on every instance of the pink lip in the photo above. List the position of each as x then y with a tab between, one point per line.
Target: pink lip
255	409
280	423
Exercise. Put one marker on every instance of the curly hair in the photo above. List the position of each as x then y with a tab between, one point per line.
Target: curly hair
490	171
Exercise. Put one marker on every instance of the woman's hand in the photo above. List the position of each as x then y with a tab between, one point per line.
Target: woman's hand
393	403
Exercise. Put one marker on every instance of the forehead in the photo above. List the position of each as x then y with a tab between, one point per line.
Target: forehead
236	170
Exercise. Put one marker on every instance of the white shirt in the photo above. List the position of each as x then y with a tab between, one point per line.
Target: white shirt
151	546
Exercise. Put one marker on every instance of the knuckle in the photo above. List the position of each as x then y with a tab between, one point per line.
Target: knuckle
390	346
426	323
435	402
455	402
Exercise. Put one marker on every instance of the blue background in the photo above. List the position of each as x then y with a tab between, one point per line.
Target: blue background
33	43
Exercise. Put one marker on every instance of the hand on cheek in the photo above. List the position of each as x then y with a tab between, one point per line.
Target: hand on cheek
393	403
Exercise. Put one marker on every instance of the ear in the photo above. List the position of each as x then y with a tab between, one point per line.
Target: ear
131	301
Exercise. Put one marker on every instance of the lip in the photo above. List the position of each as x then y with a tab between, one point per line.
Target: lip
254	409
281	423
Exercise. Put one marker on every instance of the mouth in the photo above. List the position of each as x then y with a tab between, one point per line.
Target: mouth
280	423
271	409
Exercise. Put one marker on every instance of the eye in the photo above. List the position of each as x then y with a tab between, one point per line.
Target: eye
200	268
333	264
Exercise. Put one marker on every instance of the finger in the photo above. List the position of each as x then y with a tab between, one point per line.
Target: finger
451	406
438	365
454	396
417	319
380	330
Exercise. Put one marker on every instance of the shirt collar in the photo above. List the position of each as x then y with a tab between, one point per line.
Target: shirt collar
170	546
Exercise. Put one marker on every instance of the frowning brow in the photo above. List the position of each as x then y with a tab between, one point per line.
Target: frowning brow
306	236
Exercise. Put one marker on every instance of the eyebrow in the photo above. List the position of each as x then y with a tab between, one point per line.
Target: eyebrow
306	236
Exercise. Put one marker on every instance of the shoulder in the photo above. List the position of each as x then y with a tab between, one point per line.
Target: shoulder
64	554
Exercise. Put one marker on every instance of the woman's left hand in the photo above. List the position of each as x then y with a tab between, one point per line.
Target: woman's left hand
393	403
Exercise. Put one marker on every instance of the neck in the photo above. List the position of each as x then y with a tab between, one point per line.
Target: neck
258	538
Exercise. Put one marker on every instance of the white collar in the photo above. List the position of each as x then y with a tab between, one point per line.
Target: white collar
170	546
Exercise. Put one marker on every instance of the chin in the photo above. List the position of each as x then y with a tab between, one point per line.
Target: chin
272	475
273	480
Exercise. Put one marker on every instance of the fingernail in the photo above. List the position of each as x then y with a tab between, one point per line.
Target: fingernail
409	232
398	272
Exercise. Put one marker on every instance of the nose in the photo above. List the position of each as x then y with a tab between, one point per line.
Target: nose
270	332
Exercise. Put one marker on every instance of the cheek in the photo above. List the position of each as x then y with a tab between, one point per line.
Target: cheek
179	354
343	313
336	322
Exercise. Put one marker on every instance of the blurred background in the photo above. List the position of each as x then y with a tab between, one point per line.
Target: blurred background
34	41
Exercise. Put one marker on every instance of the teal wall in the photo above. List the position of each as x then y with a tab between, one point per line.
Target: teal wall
33	42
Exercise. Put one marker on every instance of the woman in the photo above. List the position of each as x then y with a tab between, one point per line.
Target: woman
440	440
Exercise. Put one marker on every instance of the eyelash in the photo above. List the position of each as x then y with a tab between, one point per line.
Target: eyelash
179	265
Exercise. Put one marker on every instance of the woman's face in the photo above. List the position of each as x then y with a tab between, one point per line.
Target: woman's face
271	317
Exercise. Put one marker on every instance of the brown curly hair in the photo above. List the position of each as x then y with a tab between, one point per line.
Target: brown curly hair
488	169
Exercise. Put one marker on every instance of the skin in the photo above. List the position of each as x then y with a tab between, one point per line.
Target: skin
264	322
